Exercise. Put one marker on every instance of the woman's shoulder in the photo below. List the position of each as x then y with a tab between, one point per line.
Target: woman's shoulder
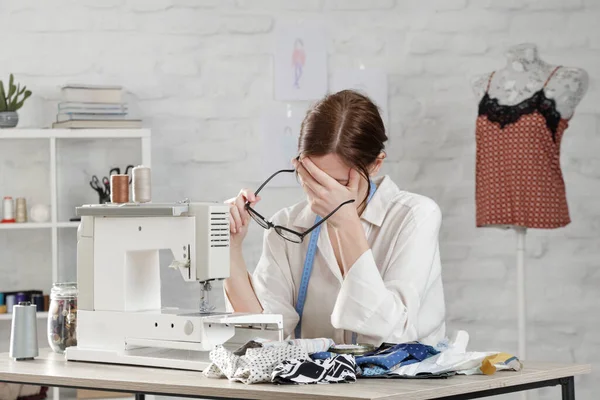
420	206
407	205
409	211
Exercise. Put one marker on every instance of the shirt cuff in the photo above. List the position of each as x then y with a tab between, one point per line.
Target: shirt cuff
359	296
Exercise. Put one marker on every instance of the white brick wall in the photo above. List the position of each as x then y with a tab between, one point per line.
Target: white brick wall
200	72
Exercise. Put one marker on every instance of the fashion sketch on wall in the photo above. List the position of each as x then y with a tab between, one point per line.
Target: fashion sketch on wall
300	61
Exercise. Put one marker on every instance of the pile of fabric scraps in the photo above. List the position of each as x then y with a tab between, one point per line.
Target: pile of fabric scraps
442	361
304	361
286	362
387	359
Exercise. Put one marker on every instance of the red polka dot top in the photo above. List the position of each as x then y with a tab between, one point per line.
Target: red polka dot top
518	179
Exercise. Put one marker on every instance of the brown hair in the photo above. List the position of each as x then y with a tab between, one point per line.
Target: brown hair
345	123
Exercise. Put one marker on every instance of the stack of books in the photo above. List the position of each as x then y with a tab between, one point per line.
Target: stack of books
94	106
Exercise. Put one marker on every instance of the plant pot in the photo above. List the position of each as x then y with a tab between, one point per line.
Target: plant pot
9	119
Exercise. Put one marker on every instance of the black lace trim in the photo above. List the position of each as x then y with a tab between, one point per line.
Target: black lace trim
505	115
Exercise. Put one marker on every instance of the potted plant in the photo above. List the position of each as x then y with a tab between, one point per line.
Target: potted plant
10	102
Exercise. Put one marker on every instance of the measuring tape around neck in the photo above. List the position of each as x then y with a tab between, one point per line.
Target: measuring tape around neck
308	265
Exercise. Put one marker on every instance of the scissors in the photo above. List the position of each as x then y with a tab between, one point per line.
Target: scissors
95	184
117	171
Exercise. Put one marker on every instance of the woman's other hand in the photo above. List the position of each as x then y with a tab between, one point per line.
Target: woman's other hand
239	219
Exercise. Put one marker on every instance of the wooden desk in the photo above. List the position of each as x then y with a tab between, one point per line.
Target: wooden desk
51	369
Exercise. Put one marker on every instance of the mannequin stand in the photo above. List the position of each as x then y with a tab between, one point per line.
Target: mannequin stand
521	300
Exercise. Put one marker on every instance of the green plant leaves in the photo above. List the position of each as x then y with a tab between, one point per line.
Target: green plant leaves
20	104
11	102
11	87
3	105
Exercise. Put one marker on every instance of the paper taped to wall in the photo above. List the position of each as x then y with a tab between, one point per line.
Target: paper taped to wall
300	61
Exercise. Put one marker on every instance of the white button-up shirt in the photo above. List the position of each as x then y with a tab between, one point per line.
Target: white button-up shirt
393	293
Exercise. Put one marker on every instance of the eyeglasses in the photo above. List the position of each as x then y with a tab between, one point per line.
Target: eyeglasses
286	233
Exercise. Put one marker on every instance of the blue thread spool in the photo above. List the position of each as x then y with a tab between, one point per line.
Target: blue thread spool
38	300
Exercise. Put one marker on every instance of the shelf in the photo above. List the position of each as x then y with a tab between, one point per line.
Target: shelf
68	224
16	133
26	225
8	317
42	225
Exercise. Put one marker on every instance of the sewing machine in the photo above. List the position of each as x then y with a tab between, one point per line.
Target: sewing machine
120	319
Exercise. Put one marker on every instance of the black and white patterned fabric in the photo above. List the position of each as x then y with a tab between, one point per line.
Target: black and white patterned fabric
255	366
339	369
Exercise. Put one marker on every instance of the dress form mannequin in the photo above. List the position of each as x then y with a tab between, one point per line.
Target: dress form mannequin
525	73
560	89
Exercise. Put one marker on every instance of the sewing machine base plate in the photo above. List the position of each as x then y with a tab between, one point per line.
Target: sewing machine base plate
147	356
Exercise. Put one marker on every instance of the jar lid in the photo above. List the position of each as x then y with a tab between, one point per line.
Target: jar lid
64	289
354	349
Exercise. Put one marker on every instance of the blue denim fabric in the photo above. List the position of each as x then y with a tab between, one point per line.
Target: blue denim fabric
382	361
323	355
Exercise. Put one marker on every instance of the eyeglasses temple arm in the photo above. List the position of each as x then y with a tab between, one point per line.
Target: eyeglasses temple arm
326	217
271	177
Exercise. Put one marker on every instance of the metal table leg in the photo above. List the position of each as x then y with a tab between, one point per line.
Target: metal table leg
568	388
140	396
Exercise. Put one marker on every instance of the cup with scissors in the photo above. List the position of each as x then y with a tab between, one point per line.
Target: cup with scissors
102	188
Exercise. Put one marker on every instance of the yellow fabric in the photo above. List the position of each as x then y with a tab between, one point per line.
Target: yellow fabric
488	365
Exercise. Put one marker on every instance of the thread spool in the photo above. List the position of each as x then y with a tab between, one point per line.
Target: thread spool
23	333
21	297
21	210
1	299
10	302
38	300
46	302
119	188
142	184
8	210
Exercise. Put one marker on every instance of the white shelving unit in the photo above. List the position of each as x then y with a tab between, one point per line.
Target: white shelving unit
65	134
40	225
54	135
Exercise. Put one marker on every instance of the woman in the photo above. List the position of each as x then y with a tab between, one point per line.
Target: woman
376	274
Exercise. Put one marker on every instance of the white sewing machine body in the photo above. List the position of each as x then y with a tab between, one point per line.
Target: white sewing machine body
120	318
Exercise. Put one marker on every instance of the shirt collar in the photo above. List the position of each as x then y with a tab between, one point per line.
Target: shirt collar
374	212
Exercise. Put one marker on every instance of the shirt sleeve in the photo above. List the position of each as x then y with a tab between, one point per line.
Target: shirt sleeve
272	281
378	306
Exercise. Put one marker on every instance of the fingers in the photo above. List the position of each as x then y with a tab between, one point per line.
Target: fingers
249	195
308	181
232	224
312	196
236	219
353	180
240	204
313	199
321	177
238	216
